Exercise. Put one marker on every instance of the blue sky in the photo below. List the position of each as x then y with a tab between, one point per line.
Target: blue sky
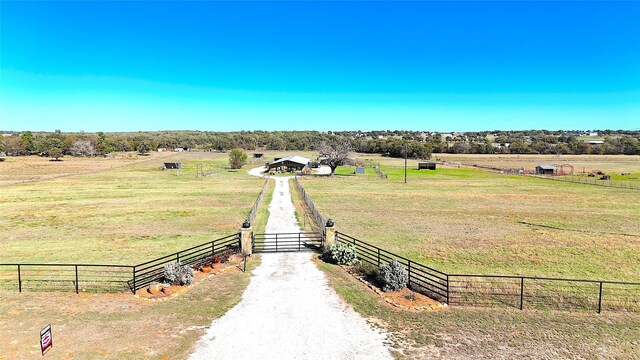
298	65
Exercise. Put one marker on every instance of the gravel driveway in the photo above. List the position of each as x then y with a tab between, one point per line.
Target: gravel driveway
288	310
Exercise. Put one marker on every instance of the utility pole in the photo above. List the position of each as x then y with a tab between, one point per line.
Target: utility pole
405	162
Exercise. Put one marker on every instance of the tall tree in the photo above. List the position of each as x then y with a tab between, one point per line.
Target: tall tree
335	152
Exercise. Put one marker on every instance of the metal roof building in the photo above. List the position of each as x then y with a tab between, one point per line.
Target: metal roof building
290	163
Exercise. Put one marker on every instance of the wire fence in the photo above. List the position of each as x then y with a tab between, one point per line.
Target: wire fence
256	204
589	180
509	291
315	213
65	277
594	180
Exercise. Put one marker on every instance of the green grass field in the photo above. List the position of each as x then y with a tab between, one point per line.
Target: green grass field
484	333
125	215
472	221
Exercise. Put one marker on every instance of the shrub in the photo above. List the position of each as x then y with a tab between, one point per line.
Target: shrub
393	276
368	270
237	158
178	274
341	254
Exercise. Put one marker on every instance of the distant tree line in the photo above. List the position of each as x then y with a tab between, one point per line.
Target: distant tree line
391	143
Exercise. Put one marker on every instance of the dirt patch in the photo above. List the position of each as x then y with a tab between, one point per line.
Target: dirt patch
404	299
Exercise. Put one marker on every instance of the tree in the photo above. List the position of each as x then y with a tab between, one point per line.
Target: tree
29	141
55	153
237	158
144	147
335	152
15	146
82	148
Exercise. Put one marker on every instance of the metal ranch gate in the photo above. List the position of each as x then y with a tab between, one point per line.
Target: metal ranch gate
287	242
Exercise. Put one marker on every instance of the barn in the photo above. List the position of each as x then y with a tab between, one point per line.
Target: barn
426	166
289	164
545	170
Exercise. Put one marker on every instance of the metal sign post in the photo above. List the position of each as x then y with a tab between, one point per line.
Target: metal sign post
46	339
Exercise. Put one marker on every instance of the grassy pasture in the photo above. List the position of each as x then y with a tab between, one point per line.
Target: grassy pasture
122	215
472	221
35	168
481	333
117	326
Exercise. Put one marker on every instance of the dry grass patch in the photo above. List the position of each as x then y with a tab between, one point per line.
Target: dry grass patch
117	326
588	163
19	169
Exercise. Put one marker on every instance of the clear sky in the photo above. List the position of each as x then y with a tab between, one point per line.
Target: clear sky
299	65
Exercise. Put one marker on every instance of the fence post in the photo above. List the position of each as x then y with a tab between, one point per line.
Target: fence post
329	234
521	292
76	279
134	279
447	289
213	248
276	242
600	299
298	241
409	271
378	257
19	280
177	257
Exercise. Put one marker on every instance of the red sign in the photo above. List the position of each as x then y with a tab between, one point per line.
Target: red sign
46	339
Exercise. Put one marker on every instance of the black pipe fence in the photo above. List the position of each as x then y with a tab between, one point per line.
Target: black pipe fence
107	278
65	277
152	271
423	279
503	290
287	242
543	293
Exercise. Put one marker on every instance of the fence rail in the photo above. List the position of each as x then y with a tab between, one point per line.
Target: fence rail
423	279
504	290
589	180
634	185
256	204
65	277
286	242
152	271
106	278
317	216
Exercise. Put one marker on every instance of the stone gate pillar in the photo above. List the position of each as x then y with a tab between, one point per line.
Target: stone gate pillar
246	235
329	234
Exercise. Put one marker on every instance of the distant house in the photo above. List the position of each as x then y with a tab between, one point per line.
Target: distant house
181	149
289	164
162	149
595	142
545	170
